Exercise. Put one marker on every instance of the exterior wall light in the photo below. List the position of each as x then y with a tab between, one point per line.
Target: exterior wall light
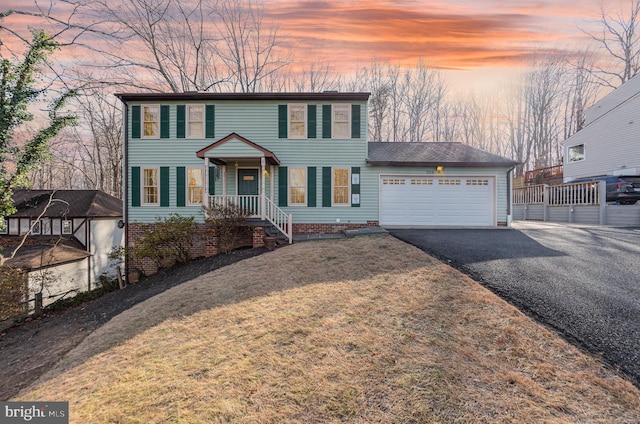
439	169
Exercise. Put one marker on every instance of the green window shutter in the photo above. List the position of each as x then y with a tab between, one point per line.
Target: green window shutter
326	121
135	121
355	121
210	113
326	187
135	185
164	186
212	180
282	121
355	188
311	186
283	186
311	121
164	121
181	194
181	122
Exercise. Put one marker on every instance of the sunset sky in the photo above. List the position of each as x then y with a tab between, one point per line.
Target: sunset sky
475	43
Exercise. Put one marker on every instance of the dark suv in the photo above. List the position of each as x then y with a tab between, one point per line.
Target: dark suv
624	190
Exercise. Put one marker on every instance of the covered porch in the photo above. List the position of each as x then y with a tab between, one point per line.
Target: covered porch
240	172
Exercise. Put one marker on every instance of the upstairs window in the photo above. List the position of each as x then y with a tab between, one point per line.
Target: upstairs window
196	186
5	228
35	228
195	124
150	187
151	121
297	120
341	121
576	153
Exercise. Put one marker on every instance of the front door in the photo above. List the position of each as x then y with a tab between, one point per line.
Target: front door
248	186
248	182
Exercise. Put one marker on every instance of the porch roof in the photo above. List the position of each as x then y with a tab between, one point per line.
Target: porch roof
233	147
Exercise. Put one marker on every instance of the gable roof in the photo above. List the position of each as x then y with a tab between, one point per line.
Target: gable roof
68	203
433	154
269	155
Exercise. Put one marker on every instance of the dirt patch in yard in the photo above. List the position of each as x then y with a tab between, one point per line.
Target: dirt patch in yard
33	347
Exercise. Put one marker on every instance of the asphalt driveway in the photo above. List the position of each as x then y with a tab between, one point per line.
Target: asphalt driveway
584	281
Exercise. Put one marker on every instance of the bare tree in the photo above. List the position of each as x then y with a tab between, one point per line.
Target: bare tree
620	40
250	46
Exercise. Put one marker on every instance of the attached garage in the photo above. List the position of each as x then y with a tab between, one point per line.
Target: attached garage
440	184
418	200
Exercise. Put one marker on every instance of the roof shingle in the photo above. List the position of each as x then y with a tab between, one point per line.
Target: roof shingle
433	154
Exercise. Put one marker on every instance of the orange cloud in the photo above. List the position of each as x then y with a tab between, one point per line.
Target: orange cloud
400	32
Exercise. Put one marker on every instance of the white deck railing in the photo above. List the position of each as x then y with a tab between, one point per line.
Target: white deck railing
258	206
586	194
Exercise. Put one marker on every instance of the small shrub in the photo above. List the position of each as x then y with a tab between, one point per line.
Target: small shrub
13	292
168	241
230	222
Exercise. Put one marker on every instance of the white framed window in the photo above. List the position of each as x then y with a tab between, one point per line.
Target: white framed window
14	226
576	153
297	120
340	187
151	121
341	121
67	226
298	186
45	227
150	187
35	227
195	186
5	228
25	225
195	121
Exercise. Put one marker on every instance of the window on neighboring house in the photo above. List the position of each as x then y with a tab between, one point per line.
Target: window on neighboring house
576	153
45	227
195	117
151	121
341	187
298	186
35	227
196	186
297	121
150	187
14	226
341	121
67	226
5	229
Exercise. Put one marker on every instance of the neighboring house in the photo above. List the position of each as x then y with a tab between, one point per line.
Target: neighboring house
608	142
300	161
70	235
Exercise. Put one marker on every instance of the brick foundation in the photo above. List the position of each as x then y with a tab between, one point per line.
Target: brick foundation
304	229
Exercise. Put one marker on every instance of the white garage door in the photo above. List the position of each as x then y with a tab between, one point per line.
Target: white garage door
407	200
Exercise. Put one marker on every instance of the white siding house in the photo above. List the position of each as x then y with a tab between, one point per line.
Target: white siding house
609	142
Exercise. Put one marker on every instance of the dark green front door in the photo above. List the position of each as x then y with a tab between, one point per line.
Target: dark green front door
248	182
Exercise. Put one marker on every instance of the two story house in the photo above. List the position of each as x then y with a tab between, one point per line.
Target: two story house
299	161
608	142
66	237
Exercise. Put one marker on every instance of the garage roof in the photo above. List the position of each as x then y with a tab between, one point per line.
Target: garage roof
433	154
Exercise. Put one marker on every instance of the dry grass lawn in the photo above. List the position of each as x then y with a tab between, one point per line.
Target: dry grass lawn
360	330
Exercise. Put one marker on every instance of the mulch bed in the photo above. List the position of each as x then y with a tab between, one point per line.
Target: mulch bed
31	348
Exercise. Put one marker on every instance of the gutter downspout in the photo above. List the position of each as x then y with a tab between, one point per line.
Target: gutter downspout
509	194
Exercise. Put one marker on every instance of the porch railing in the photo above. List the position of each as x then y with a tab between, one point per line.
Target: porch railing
258	206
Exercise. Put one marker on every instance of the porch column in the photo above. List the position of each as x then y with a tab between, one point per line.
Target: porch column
263	199
224	181
205	196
